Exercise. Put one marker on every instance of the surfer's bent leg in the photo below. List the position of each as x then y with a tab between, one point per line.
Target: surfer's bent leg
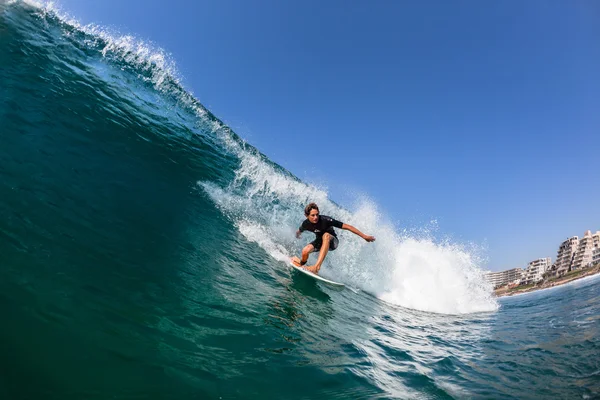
327	241
309	248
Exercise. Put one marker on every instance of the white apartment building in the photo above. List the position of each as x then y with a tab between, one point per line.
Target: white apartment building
502	278
596	239
583	255
564	257
535	270
596	249
596	256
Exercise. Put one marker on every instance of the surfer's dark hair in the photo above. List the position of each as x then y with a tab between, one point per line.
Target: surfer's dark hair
311	206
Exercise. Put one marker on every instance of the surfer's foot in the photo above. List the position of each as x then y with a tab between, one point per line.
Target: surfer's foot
313	269
296	261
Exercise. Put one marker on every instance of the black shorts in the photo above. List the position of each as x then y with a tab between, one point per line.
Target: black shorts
333	243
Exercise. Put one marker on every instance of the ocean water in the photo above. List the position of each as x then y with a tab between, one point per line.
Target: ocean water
143	247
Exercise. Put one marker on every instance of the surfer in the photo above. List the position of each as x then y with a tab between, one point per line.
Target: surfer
326	239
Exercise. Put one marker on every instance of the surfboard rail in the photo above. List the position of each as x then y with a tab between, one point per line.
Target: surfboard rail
317	277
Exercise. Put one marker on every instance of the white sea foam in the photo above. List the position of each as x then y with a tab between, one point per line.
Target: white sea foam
412	270
416	271
154	64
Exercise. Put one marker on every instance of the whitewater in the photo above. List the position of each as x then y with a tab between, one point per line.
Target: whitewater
144	255
265	202
266	206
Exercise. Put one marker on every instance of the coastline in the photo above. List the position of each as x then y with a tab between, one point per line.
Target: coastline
587	273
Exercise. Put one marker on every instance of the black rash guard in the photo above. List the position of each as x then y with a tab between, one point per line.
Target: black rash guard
324	224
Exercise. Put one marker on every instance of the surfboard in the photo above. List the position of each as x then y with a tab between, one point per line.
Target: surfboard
317	277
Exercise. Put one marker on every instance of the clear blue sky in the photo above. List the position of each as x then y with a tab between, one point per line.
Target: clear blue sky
482	115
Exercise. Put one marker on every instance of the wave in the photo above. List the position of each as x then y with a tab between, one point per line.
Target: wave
264	202
266	205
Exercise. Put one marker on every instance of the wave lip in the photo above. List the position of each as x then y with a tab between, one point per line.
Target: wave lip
265	201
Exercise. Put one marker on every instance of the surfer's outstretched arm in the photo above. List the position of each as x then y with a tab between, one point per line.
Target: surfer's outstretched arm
357	232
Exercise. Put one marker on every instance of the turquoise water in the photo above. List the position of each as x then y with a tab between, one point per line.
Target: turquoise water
143	249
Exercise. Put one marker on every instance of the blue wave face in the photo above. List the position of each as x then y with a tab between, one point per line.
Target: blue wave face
124	89
142	238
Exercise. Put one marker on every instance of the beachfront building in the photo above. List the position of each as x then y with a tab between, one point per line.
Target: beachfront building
535	270
596	256
596	249
564	257
596	239
502	278
583	255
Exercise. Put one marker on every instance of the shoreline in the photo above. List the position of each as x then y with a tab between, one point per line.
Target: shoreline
593	271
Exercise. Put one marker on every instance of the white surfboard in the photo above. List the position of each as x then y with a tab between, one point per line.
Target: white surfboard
317	277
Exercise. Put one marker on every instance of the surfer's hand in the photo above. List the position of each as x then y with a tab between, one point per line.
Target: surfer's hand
298	234
369	238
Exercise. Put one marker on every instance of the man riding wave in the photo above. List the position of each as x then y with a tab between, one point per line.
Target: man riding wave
326	238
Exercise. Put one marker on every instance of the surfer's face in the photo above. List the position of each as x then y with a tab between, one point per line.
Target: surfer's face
313	217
